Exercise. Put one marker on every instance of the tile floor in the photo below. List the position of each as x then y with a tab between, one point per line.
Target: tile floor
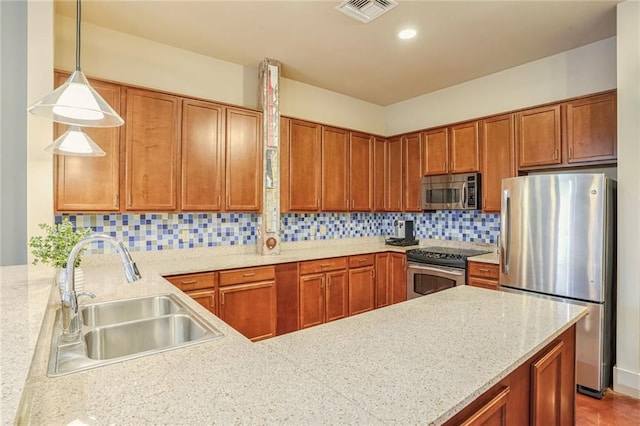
614	409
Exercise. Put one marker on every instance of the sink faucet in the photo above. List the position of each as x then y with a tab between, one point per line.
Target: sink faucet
70	324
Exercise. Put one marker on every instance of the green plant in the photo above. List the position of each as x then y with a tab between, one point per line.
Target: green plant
54	247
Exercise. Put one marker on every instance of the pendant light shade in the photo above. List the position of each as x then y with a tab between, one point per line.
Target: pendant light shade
75	142
76	102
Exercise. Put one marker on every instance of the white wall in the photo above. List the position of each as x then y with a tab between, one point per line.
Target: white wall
627	370
304	101
587	69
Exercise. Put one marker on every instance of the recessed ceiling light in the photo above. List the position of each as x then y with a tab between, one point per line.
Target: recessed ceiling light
407	34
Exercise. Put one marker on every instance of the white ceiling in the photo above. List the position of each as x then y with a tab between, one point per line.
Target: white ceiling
457	41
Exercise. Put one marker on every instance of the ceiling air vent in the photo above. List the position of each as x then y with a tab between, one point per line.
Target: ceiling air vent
366	10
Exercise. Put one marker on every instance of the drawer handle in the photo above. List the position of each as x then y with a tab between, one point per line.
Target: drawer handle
187	282
362	260
249	274
325	265
483	269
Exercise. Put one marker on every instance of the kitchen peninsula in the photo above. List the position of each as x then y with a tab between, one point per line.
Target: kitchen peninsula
420	361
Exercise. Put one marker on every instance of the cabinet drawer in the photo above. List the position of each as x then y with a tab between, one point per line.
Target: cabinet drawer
483	283
361	260
247	275
190	282
483	270
323	265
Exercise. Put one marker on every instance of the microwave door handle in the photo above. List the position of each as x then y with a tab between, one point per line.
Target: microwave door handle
464	195
428	268
505	246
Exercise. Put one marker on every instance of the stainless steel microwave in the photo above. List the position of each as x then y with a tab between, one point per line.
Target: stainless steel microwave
451	192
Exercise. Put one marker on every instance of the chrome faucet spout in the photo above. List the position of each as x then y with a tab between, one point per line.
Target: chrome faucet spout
69	299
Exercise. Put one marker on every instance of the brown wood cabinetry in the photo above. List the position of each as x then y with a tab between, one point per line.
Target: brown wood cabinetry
287	292
301	166
361	172
248	301
539	392
395	184
151	150
412	172
323	291
200	287
361	284
464	148
335	169
90	183
498	158
590	129
539	136
383	280
202	154
483	275
436	152
243	160
398	277
380	174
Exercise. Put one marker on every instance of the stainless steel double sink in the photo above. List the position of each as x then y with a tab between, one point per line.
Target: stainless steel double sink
120	330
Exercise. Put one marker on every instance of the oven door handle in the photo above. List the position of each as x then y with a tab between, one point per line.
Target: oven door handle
432	269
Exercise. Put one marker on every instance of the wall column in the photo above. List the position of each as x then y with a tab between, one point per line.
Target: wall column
626	373
268	101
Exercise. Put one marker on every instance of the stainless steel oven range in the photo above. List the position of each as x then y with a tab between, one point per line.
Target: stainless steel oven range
436	268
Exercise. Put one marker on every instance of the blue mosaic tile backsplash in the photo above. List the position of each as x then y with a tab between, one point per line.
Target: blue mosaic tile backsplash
166	231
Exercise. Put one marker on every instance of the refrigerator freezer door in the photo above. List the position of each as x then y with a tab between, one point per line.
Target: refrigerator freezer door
553	235
593	345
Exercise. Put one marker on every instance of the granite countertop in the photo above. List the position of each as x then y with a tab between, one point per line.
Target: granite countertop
491	257
417	361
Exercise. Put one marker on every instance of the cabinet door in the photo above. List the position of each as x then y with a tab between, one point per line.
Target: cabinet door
494	412
335	162
546	388
361	290
412	172
436	152
538	136
151	138
395	185
361	172
398	277
497	135
206	298
464	148
337	295
243	160
90	183
382	281
303	164
591	129
288	294
380	174
311	300
202	156
250	309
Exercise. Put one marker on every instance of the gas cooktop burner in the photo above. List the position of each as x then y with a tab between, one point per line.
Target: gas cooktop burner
444	256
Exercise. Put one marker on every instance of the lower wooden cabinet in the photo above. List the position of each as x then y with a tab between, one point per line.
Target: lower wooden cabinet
324	286
288	296
398	277
200	287
206	298
361	284
484	275
539	392
248	301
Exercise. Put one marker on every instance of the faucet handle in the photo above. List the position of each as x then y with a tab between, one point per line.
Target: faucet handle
85	293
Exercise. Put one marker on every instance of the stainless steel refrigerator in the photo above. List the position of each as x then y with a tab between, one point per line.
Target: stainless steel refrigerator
557	235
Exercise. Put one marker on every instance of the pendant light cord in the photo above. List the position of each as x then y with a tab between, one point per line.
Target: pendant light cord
78	17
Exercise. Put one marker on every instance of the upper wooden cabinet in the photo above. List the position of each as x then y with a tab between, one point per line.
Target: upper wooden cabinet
202	156
243	160
151	150
498	158
539	136
394	169
90	183
361	172
335	169
436	152
380	174
301	161
412	172
464	148
591	129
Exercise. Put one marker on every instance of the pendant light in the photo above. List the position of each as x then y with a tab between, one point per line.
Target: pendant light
75	142
76	102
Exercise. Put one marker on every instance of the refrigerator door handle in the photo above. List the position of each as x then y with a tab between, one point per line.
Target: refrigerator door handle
505	250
